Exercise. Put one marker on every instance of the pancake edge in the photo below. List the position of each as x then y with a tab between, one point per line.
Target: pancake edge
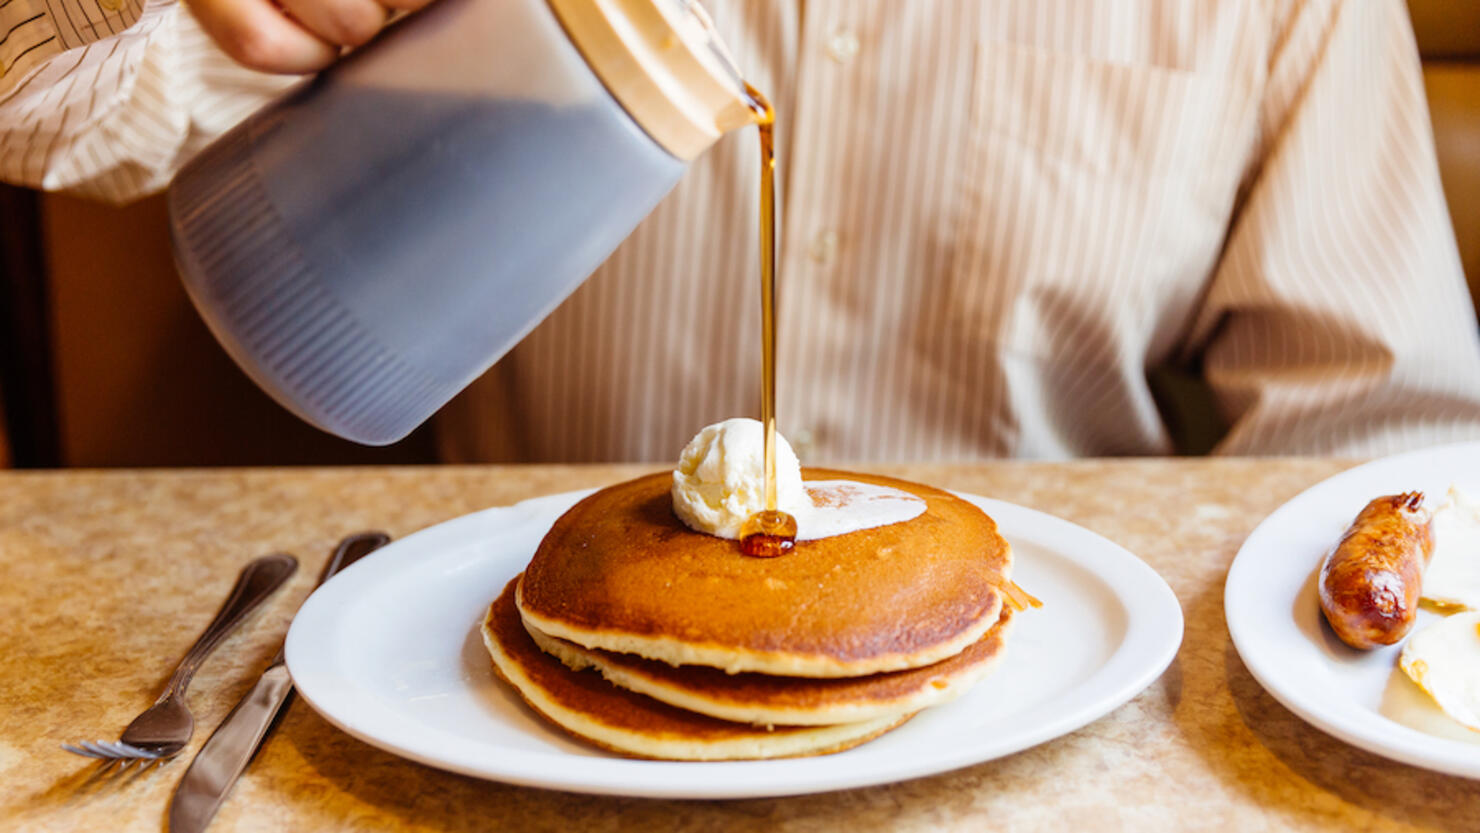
577	658
801	742
734	660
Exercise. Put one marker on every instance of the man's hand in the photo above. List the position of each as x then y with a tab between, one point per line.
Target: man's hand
294	36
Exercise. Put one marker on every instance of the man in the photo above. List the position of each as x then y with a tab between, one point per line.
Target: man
1009	228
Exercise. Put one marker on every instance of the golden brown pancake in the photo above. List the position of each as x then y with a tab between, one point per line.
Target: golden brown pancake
620	572
589	707
764	700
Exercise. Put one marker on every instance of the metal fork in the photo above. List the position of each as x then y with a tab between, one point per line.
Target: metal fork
164	728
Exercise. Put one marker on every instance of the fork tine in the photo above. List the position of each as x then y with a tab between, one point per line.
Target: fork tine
99	749
135	751
124	750
102	747
112	751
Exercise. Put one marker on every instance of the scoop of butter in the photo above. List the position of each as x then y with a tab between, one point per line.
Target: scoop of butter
720	480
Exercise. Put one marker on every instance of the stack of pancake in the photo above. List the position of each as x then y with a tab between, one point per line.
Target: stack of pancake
639	635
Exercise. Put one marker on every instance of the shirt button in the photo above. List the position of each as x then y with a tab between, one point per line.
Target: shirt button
842	46
825	248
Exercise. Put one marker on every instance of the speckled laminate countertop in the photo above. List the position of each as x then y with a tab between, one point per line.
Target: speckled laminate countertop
106	577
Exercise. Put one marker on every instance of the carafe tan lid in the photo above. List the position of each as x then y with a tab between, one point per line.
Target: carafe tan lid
663	62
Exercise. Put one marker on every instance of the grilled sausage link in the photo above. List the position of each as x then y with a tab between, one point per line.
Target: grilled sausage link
1370	583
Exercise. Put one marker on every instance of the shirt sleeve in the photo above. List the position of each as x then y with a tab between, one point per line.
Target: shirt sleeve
1338	320
107	98
34	31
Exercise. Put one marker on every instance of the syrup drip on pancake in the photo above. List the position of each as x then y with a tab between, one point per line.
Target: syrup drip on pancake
768	533
1018	598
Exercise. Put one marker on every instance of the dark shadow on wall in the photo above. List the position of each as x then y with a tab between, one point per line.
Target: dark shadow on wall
28	417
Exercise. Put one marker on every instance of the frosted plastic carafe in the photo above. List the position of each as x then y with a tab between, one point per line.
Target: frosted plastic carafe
371	242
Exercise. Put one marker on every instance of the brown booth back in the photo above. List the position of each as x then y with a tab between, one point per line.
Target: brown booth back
1448	34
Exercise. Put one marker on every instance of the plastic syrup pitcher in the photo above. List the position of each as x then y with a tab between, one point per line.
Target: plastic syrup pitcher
368	244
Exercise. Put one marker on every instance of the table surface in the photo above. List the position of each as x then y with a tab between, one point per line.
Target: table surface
108	577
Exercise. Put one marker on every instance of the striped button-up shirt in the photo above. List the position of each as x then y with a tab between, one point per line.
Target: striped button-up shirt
1039	228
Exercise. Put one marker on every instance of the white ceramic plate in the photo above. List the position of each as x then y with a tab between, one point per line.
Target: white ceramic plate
389	651
1275	620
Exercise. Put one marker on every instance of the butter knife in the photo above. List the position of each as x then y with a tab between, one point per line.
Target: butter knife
230	748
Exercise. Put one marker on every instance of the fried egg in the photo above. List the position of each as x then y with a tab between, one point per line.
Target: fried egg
1452	579
1444	660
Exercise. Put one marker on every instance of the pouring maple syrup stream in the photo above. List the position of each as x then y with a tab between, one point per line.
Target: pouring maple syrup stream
770	532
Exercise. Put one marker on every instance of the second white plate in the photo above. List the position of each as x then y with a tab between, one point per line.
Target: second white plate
390	652
1274	617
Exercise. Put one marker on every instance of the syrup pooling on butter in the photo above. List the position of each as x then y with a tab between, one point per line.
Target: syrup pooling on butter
769	533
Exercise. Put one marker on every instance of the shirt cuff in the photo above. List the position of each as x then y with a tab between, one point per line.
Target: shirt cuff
34	31
81	22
